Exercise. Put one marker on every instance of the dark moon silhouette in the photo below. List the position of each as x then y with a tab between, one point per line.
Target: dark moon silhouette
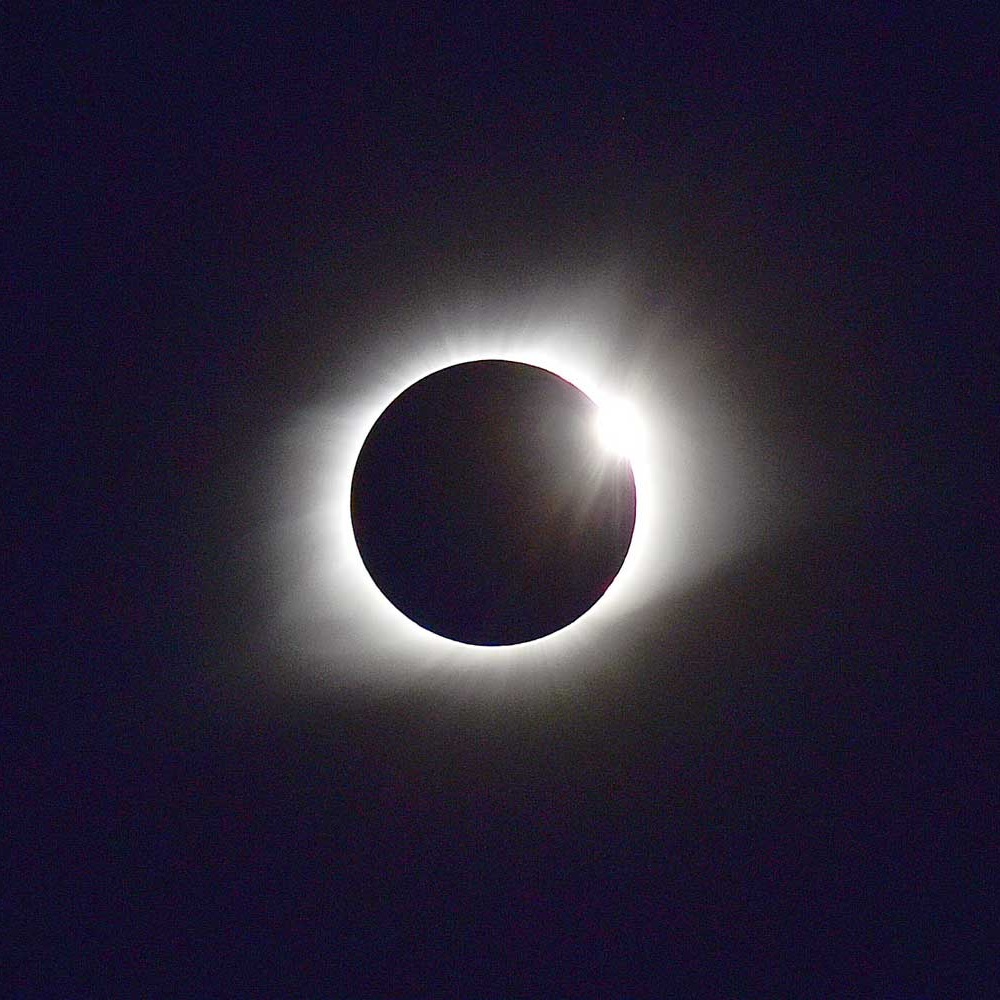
484	507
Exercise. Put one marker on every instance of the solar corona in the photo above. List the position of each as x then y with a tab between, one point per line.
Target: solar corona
476	500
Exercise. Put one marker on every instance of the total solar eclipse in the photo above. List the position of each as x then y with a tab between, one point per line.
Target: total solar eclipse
490	503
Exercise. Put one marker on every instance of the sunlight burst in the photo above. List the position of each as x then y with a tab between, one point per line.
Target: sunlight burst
619	428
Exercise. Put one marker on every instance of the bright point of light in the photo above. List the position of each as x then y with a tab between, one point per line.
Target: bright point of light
619	428
331	616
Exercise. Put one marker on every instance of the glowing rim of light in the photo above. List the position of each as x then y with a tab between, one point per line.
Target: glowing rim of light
341	593
603	402
637	459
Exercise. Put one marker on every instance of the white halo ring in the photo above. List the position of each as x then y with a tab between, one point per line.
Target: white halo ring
333	618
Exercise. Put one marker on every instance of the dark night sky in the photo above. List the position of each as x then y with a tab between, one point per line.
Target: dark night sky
783	785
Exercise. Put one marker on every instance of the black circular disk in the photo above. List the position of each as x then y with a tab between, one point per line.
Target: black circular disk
484	508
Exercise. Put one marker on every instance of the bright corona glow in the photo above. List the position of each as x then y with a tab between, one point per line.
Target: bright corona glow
332	618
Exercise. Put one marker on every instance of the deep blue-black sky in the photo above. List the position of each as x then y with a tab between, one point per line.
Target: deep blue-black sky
785	782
